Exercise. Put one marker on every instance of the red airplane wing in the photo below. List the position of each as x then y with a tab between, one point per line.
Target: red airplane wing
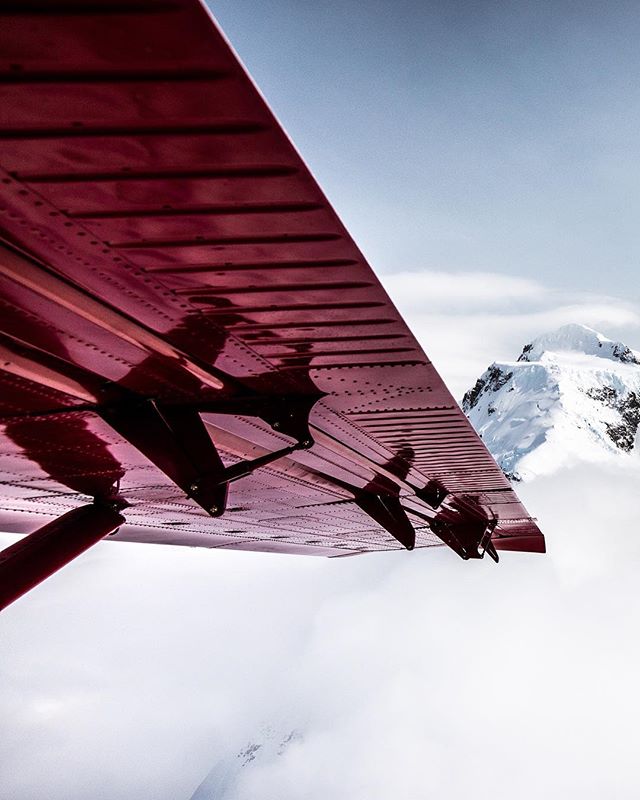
189	334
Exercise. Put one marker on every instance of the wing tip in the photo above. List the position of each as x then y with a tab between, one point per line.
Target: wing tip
529	543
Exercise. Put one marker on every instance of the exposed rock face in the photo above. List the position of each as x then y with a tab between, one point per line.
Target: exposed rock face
624	434
572	395
493	379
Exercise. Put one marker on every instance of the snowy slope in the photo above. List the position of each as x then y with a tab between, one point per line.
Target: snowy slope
225	779
572	395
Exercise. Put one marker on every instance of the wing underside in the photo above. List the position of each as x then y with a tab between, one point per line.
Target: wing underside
186	323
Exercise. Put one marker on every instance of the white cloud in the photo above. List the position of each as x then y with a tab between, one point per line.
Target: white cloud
465	321
412	675
445	679
433	290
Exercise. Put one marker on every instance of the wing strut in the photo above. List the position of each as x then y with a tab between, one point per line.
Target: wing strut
29	561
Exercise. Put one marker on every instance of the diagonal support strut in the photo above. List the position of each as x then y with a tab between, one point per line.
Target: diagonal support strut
38	555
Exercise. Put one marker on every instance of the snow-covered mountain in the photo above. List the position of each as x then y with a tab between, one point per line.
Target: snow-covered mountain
267	747
572	395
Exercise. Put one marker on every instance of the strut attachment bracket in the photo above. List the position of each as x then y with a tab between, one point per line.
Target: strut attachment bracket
176	440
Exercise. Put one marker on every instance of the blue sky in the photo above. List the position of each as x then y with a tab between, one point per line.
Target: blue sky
491	137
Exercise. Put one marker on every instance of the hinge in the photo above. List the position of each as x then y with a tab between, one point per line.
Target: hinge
466	528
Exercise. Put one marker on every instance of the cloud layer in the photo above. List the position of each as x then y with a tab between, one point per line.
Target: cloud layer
411	675
468	320
442	679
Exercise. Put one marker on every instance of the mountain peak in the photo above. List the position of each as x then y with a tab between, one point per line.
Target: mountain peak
581	339
573	395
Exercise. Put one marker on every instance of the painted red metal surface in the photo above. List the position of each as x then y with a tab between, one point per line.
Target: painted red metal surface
165	239
30	560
